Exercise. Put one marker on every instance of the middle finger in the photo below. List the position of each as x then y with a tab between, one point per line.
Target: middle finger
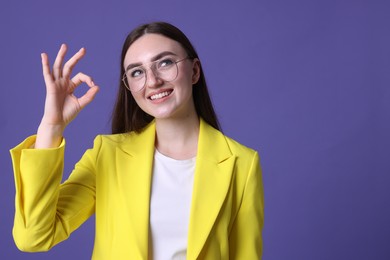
57	71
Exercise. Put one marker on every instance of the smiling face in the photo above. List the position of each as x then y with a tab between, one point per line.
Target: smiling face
162	96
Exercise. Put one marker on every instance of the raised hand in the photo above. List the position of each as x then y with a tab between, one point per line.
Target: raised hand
61	105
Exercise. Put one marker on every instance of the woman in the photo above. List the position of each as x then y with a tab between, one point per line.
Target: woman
167	184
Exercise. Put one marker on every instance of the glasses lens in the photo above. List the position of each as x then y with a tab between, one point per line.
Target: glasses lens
135	79
166	70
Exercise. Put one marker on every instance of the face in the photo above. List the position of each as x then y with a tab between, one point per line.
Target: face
161	98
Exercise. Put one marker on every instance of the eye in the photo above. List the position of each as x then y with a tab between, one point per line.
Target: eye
136	73
165	63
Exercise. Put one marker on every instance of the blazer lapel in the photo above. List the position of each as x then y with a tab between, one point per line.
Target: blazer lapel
213	172
134	162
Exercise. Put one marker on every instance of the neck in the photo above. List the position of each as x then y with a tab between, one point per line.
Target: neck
178	137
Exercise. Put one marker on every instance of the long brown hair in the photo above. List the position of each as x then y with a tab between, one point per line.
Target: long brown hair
127	115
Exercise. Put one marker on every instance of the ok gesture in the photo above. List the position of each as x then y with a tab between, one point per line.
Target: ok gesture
61	105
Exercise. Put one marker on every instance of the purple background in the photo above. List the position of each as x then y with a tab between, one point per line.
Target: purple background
306	83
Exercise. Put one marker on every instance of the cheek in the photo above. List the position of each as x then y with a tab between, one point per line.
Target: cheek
135	96
184	87
138	97
185	78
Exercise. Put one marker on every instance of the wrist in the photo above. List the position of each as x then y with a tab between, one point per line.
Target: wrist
49	136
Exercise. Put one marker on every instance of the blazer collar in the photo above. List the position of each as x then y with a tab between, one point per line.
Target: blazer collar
213	172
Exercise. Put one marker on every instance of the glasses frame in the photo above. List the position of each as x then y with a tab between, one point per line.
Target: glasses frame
150	66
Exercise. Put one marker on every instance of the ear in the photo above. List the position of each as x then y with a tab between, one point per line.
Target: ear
195	71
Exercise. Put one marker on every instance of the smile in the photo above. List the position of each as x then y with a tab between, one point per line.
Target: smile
160	95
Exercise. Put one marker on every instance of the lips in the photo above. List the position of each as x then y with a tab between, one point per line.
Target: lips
160	95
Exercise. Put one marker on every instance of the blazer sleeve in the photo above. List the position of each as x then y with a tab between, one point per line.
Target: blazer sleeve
245	240
46	211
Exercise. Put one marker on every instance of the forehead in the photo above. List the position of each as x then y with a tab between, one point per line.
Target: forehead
149	45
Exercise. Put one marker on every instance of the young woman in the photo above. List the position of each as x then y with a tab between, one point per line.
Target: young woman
167	184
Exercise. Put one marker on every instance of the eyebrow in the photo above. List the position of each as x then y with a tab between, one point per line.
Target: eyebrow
157	57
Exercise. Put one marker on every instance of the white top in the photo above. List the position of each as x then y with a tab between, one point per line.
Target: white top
170	206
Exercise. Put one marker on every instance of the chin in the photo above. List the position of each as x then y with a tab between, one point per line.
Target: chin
161	114
167	112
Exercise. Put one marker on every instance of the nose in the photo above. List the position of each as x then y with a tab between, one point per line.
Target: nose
152	79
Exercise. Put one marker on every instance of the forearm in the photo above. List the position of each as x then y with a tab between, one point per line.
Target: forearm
38	174
46	212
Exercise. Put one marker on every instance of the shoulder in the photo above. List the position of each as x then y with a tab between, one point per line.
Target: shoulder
128	142
216	144
115	140
237	147
244	154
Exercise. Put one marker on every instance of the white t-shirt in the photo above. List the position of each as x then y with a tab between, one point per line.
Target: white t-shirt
170	206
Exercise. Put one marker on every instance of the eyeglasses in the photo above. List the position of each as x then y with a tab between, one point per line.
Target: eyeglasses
165	69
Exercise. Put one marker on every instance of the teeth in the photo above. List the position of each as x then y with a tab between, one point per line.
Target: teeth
160	95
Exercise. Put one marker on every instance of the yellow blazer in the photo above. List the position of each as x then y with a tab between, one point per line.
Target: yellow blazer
113	180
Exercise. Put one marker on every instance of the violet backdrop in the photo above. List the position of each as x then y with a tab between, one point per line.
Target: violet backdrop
306	83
